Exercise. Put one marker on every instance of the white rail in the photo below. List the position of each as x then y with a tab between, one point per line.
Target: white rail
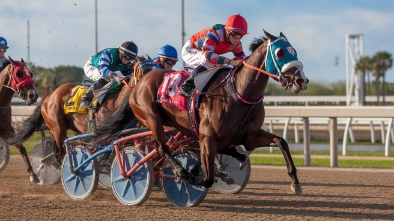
333	113
307	112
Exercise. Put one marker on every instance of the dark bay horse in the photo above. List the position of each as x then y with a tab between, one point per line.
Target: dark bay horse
15	77
230	110
51	112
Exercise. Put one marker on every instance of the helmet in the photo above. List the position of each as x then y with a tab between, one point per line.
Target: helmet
169	52
3	43
237	24
129	48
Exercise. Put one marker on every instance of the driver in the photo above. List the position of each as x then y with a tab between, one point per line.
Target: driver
101	67
3	49
204	49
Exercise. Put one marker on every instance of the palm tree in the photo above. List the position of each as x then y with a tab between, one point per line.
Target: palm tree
363	67
382	61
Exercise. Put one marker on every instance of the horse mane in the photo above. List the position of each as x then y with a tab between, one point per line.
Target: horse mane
256	42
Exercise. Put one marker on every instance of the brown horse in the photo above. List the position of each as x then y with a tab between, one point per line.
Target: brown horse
15	77
230	110
51	112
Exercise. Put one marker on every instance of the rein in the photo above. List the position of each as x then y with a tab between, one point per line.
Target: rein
274	76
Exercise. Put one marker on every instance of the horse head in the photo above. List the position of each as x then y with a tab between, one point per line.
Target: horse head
139	70
281	60
21	81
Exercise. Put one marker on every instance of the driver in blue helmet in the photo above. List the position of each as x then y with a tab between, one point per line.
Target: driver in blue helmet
168	56
3	49
111	64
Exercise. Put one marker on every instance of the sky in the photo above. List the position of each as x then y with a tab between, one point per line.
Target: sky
62	32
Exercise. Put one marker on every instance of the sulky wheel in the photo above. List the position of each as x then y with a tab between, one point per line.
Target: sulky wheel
229	178
44	162
133	190
83	182
4	155
181	193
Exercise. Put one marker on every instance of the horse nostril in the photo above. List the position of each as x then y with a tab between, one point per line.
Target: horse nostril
33	96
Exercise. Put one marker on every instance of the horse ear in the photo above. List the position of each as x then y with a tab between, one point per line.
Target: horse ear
22	60
148	57
10	59
269	36
281	34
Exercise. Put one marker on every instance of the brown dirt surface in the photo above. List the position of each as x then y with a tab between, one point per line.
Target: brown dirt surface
329	194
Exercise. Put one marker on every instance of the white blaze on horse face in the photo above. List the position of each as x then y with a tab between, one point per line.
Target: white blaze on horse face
171	82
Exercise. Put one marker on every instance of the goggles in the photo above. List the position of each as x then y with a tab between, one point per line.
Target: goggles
3	49
127	57
170	62
235	35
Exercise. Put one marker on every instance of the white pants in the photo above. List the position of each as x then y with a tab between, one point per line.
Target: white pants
93	72
194	57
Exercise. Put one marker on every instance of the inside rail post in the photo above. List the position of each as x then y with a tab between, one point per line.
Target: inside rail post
345	133
333	142
387	142
307	146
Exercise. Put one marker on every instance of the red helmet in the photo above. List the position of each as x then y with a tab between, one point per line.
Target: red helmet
237	24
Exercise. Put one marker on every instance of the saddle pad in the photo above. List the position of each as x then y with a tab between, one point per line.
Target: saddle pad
168	90
72	103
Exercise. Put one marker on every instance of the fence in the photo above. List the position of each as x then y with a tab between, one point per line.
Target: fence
306	113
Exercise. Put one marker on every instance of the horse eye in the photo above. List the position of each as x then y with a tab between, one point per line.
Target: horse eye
19	74
280	53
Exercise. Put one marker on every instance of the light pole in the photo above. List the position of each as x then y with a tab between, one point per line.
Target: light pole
183	25
96	29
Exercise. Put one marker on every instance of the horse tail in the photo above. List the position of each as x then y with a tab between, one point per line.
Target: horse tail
24	130
109	127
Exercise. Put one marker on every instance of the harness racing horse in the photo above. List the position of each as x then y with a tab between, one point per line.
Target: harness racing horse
51	112
15	77
230	110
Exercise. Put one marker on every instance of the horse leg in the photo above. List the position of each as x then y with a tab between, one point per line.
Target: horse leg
160	139
263	138
22	151
231	151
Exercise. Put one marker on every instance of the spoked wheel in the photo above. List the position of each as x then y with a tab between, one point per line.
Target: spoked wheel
105	163
179	192
82	183
4	155
133	190
44	162
229	178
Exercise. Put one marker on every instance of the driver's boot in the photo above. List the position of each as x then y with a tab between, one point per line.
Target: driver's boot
188	86
88	96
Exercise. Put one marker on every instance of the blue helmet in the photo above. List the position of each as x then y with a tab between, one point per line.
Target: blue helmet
168	51
3	43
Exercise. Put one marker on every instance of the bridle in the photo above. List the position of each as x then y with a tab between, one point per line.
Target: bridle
15	84
286	83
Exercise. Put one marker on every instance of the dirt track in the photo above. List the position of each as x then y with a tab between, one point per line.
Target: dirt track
329	194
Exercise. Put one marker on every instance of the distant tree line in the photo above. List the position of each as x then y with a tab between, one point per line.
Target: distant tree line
376	67
48	79
373	68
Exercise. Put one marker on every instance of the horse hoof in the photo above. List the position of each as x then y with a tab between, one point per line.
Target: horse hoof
297	189
34	179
